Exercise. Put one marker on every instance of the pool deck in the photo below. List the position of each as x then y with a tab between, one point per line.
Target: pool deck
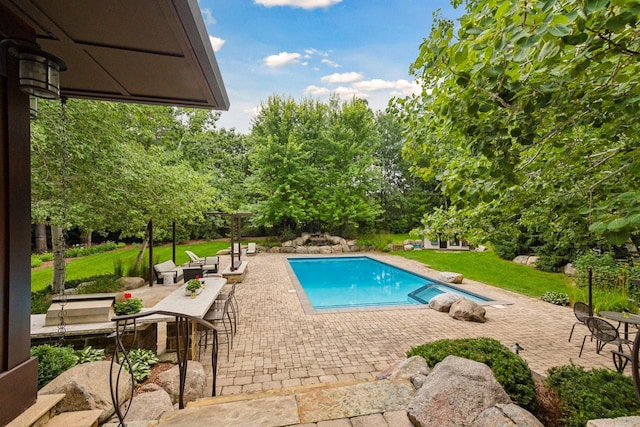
279	344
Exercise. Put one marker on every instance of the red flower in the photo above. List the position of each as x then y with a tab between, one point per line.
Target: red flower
197	277
127	295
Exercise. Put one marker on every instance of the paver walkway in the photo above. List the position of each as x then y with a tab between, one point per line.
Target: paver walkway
279	345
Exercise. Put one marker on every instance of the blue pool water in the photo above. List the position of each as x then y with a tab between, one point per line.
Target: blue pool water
344	282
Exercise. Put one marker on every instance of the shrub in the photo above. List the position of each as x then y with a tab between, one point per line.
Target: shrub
36	261
99	284
141	361
52	361
509	369
375	240
90	354
47	256
118	268
128	306
585	395
41	301
557	298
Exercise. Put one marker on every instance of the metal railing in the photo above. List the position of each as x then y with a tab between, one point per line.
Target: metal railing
126	325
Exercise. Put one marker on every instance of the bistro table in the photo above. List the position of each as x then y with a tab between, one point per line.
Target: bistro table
180	302
625	318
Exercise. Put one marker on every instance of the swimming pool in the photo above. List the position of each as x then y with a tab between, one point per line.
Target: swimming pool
351	282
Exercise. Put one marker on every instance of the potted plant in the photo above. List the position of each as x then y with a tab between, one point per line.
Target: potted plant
128	306
193	288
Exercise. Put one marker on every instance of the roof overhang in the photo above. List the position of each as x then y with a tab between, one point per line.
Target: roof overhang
145	51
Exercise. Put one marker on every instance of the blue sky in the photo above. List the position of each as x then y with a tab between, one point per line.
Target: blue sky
312	48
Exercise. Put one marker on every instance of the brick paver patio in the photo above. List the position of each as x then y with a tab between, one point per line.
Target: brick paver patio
279	345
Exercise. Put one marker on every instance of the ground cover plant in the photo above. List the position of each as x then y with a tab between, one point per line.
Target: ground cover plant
598	393
510	370
487	267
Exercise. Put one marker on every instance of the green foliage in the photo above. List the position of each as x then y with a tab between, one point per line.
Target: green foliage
141	361
118	267
47	256
510	370
40	301
128	306
80	251
52	361
557	298
378	241
90	354
98	284
528	117
585	395
36	261
193	285
608	274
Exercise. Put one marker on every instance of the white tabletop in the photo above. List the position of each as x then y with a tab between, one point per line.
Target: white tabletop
179	301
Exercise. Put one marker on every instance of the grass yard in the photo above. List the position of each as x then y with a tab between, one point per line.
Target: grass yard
487	268
103	263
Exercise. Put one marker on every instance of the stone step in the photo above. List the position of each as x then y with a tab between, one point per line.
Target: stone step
76	419
38	413
298	405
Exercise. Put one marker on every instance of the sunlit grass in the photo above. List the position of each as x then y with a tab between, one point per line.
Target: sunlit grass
103	263
487	267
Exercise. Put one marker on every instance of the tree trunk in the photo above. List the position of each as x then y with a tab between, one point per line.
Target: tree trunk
145	243
59	266
41	238
85	237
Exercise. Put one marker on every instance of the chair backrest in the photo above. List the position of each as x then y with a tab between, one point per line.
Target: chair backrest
251	247
581	311
193	257
601	329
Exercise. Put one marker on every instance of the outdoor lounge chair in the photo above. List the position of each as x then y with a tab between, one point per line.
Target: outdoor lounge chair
251	248
210	265
582	311
194	259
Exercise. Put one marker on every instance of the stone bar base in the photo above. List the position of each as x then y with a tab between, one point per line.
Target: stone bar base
236	276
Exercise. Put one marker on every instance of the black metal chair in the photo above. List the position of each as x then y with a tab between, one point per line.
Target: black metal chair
582	311
220	312
605	333
126	326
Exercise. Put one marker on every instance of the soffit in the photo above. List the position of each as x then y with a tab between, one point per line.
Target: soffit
147	51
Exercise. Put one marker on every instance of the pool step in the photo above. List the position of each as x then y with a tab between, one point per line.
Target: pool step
299	405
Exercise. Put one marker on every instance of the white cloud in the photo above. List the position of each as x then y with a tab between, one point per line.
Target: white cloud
342	78
349	92
303	4
216	43
399	87
313	51
281	59
208	16
330	63
316	91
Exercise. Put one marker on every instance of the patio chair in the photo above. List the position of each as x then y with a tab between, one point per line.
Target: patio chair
604	333
219	313
582	311
251	248
210	265
193	258
233	305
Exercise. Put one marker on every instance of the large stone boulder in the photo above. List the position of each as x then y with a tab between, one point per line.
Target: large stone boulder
302	250
354	248
532	260
313	249
408	247
450	277
287	250
468	310
405	369
569	270
521	259
194	386
325	250
274	250
132	282
456	391
506	415
444	301
86	387
150	404
336	249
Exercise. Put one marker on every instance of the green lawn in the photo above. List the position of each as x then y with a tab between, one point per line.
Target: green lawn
103	263
487	268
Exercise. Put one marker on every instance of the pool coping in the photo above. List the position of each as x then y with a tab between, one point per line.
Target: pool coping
309	309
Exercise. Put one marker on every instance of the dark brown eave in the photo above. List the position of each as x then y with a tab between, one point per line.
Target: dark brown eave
144	51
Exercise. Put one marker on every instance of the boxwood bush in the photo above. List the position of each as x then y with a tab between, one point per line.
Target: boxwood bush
510	370
52	361
586	395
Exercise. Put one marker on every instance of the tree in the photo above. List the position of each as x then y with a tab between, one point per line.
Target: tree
528	112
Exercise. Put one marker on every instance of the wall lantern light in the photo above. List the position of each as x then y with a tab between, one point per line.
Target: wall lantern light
39	71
